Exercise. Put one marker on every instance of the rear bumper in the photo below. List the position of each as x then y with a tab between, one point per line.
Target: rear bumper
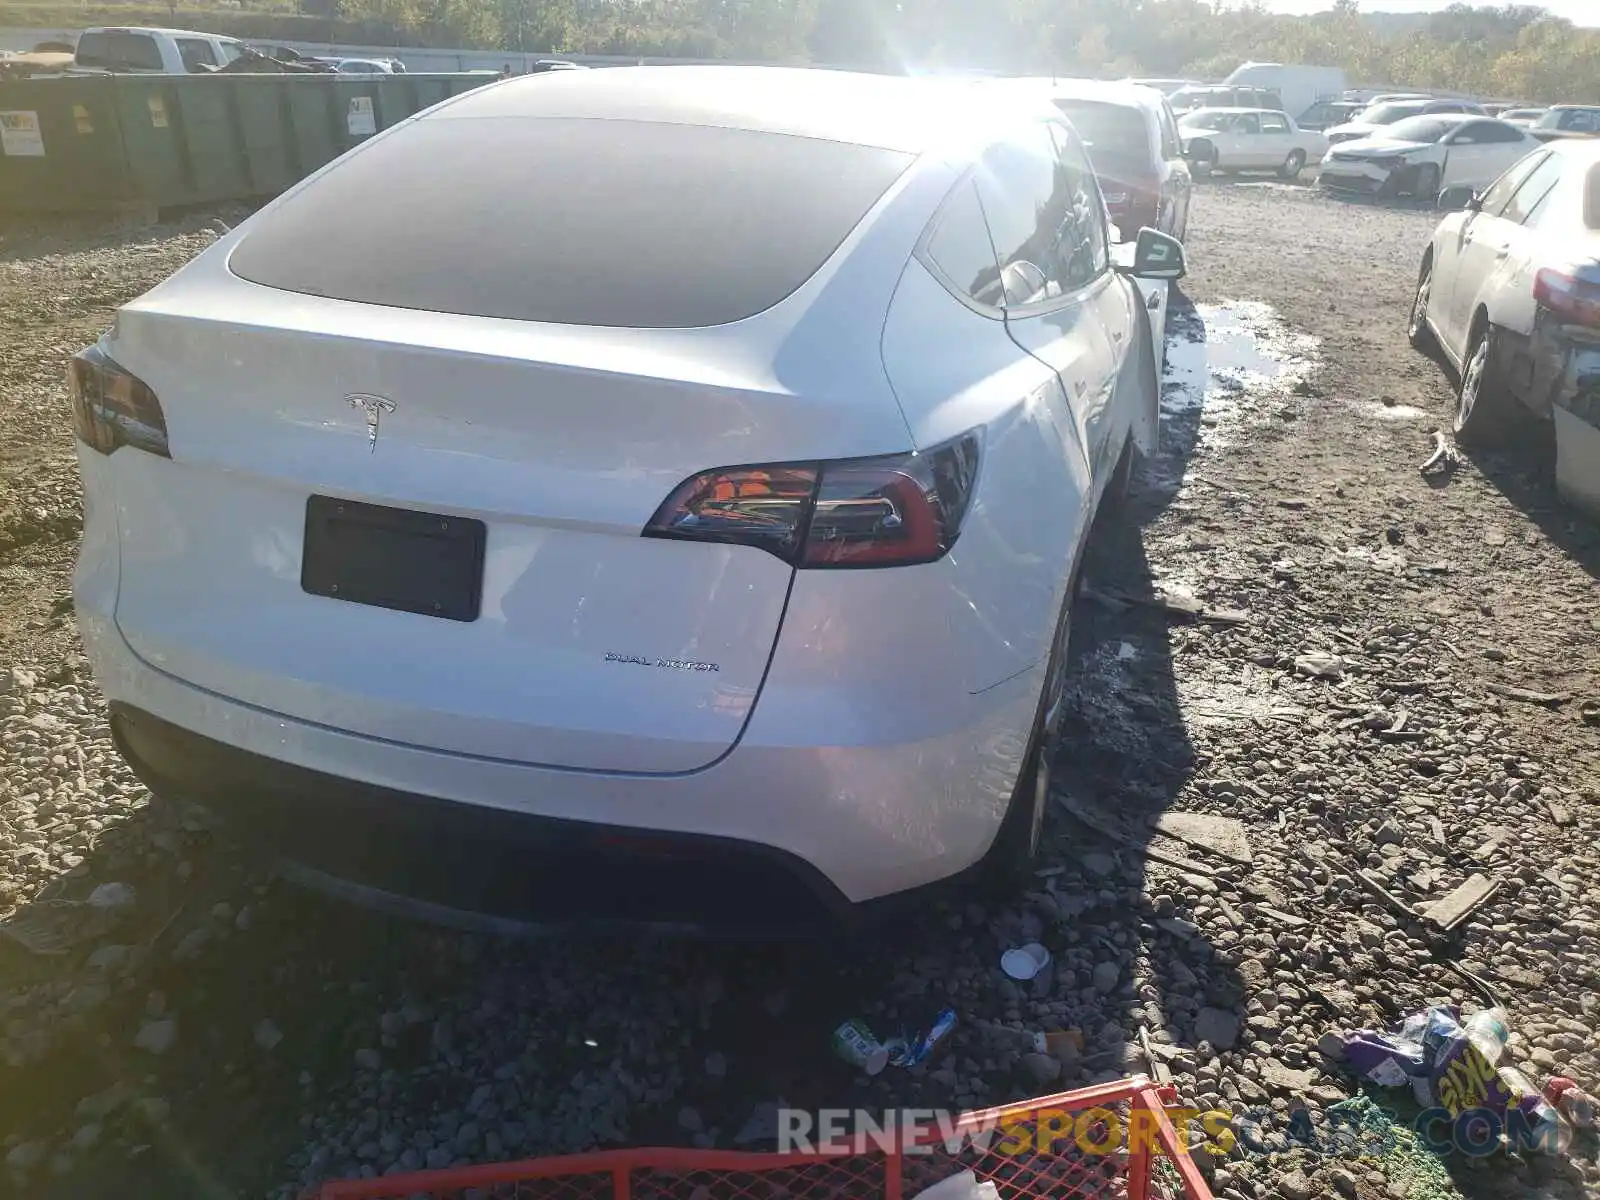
1577	427
843	823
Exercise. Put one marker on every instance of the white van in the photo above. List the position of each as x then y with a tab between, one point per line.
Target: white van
1299	86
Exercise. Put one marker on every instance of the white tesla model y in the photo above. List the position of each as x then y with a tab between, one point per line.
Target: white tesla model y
667	477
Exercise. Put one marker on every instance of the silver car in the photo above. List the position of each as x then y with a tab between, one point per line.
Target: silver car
1509	294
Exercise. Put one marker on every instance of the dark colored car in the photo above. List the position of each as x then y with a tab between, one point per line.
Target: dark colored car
1133	141
1325	114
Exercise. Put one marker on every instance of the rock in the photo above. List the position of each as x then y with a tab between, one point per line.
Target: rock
87	1135
1106	975
1295	1186
1041	1068
1098	864
760	1127
1284	1079
192	944
391	1023
1331	1046
689	1120
113	896
102	1104
17	682
1217	1026
716	1065
1319	665
1343	1182
157	1036
1388	834
110	957
152	1109
368	1059
1178	927
25	1156
267	1034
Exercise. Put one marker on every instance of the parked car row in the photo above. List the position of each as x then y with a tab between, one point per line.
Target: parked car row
1420	155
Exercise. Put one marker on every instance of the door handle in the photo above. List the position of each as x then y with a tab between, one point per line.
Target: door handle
1117	337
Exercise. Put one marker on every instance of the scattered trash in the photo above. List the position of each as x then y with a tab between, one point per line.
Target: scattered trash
1170	602
1221	835
1320	665
762	1124
1570	1101
1060	1043
964	1186
1590	712
908	1052
1450	911
1024	962
1109	826
1454	1065
859	1046
1444	455
1543	699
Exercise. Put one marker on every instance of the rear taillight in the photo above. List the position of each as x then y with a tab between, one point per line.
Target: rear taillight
112	408
1572	300
863	512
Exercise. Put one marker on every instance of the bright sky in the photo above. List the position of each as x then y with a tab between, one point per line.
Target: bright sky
1580	12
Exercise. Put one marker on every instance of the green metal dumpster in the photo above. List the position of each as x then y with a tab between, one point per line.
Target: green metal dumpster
152	141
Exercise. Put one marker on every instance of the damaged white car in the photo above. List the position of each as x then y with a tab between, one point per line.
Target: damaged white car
1419	156
1509	295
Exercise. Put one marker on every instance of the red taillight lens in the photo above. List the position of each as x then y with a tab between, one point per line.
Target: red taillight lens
871	512
112	408
1573	300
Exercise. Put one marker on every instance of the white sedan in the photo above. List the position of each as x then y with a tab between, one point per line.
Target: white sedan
1419	156
1509	294
503	518
1248	139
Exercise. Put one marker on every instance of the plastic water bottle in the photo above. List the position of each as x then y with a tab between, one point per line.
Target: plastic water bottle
1489	1033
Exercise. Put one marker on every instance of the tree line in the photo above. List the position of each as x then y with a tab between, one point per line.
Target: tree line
1514	51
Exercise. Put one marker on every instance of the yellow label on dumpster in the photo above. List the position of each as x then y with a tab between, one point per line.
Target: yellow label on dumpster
80	116
158	112
20	136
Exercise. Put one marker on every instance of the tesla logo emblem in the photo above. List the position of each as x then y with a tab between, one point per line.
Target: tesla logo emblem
373	407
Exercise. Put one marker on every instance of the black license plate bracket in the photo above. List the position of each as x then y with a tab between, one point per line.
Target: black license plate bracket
396	558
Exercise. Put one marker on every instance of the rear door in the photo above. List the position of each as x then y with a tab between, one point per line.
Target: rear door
1176	182
1063	305
1449	252
1491	239
1276	139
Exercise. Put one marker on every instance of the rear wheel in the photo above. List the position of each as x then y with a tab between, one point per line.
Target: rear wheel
1204	161
1417	331
1485	412
1294	164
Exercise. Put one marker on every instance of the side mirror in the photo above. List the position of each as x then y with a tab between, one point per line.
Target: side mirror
1459	197
1157	255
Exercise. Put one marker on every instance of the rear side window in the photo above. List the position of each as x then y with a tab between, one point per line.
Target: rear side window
1171	140
1494	200
578	222
128	51
1534	188
1272	123
1498	131
195	54
961	251
1045	215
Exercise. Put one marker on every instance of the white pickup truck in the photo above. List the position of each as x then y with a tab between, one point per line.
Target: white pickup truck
139	50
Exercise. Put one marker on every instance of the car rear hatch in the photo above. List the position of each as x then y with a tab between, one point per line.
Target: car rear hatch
425	526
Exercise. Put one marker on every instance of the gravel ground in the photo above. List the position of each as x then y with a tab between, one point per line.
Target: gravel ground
200	1029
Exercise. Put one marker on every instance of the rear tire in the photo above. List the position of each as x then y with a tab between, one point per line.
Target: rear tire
1486	414
1294	164
1204	161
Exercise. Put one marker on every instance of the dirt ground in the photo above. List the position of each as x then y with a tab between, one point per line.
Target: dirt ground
1399	690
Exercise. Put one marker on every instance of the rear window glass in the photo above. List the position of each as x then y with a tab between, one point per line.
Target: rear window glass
578	222
1109	129
1387	114
128	50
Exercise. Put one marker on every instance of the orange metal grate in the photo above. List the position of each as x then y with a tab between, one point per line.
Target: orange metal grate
1097	1143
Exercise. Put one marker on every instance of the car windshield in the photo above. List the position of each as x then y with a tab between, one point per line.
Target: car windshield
1388	114
1419	129
577	222
1115	130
